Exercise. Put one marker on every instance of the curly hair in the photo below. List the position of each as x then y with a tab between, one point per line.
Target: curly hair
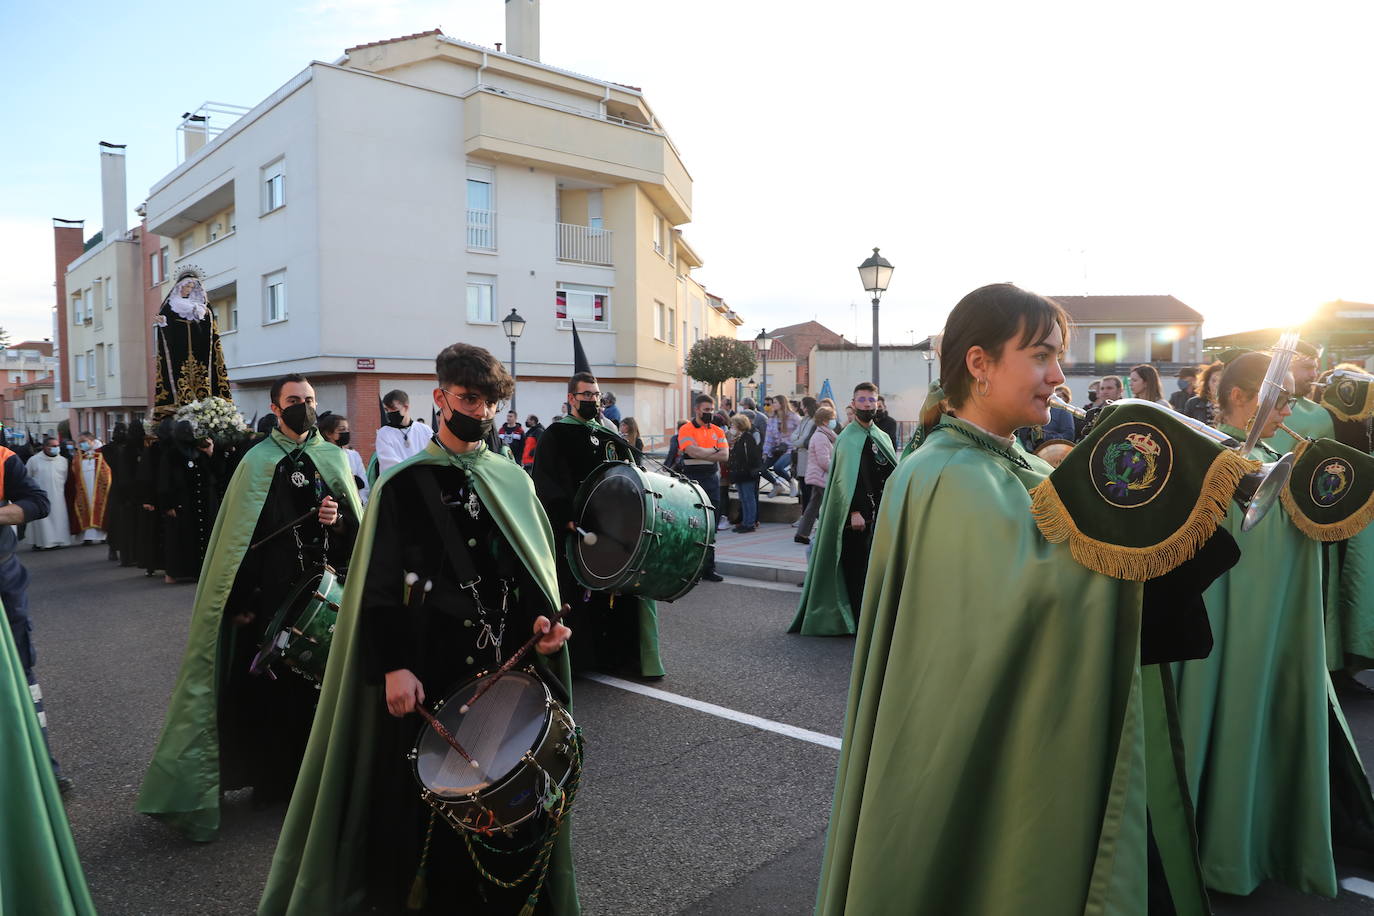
474	369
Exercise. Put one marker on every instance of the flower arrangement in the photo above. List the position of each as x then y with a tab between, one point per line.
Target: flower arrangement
215	418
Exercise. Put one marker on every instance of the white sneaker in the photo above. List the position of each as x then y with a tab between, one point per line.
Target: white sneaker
722	525
796	488
780	488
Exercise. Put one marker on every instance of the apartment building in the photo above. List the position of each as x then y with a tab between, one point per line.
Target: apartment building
102	333
414	193
28	407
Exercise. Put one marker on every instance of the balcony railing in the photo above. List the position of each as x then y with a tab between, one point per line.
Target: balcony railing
583	244
482	229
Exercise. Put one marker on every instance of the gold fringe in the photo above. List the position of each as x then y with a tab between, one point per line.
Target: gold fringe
1363	413
1343	530
1141	563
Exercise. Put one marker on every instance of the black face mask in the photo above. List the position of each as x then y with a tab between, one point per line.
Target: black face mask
344	438
865	416
394	418
466	428
299	418
705	416
587	410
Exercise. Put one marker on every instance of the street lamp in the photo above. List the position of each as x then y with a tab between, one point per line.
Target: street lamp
763	343
876	273
514	326
928	355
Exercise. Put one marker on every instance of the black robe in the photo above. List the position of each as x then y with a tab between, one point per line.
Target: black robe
437	640
190	363
189	485
607	632
148	526
874	470
264	724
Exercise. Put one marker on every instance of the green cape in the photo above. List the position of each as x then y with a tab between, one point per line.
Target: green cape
999	728
39	870
318	866
824	608
182	783
650	662
1262	740
1351	624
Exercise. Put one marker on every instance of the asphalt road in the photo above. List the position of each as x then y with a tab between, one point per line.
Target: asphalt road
681	811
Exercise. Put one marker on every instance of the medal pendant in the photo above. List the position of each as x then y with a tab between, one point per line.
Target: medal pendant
474	507
298	479
595	441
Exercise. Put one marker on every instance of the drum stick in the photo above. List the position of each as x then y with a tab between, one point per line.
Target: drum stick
445	733
510	662
289	525
588	537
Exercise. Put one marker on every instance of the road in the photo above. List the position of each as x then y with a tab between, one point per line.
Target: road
681	810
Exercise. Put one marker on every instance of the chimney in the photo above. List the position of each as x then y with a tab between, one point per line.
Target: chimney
522	28
114	205
68	235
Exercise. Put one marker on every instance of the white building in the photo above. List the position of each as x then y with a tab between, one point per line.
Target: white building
414	193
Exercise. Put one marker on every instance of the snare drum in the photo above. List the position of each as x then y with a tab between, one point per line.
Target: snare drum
525	745
300	633
653	532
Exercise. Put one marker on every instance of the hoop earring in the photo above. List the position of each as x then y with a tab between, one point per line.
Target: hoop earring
983	387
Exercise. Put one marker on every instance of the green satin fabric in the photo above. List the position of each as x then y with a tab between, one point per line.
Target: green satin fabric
39	869
1254	717
995	744
182	783
824	607
318	866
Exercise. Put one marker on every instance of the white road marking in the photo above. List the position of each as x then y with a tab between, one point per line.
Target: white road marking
768	725
1358	886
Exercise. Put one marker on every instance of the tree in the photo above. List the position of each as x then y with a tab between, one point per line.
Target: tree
714	360
4	338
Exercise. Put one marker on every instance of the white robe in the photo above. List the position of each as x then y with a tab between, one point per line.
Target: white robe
88	477
396	445
51	475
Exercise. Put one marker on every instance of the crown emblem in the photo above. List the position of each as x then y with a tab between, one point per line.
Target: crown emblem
1336	468
1143	443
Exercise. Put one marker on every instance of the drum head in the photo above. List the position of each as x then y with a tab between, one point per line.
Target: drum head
496	732
614	509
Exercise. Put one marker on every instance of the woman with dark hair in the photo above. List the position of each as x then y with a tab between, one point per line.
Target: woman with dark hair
334	429
1203	404
629	428
1269	760
997	690
801	444
1145	384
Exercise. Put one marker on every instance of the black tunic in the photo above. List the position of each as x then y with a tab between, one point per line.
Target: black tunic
874	470
189	486
442	641
264	724
148	536
607	631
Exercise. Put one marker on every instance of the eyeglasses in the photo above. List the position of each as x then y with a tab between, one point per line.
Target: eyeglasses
587	395
471	401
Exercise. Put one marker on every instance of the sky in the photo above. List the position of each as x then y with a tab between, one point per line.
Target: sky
1215	151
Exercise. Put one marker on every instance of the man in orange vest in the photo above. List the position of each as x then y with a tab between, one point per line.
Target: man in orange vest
21	501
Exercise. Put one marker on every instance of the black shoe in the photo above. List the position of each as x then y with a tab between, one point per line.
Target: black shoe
712	577
65	784
801	539
744	529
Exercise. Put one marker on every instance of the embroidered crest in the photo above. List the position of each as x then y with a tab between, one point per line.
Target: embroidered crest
1331	481
1347	394
298	479
595	441
878	456
474	506
1130	465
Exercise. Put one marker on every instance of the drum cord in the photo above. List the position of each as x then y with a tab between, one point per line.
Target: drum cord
541	861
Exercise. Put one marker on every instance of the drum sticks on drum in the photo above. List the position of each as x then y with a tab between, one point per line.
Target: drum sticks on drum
510	662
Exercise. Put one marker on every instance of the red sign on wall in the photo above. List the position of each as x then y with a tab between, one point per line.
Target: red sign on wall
366	364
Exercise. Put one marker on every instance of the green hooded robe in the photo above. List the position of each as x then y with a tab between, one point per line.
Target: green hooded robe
182	783
824	608
1000	728
1268	752
39	870
318	866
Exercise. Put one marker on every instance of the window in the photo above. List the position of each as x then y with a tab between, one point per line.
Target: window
481	298
229	221
216	230
109	293
659	320
111	365
154	269
274	297
594	209
44	408
672	326
186	243
658	233
79	369
1162	345
1106	347
76	308
90	369
481	208
227	314
162	258
583	303
87	306
273	186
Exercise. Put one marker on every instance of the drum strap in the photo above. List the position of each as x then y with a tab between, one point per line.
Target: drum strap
444	526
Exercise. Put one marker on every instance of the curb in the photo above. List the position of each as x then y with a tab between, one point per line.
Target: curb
759	571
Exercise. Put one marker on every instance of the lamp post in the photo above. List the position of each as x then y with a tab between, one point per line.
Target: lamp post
876	273
514	326
929	356
763	343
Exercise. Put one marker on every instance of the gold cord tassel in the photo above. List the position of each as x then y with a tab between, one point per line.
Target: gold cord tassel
418	897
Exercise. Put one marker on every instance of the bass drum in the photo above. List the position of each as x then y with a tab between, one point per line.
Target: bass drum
652	531
300	633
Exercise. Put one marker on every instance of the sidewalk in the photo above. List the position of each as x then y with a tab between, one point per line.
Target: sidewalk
768	553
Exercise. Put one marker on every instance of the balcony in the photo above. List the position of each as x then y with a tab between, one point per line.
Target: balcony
482	229
583	245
